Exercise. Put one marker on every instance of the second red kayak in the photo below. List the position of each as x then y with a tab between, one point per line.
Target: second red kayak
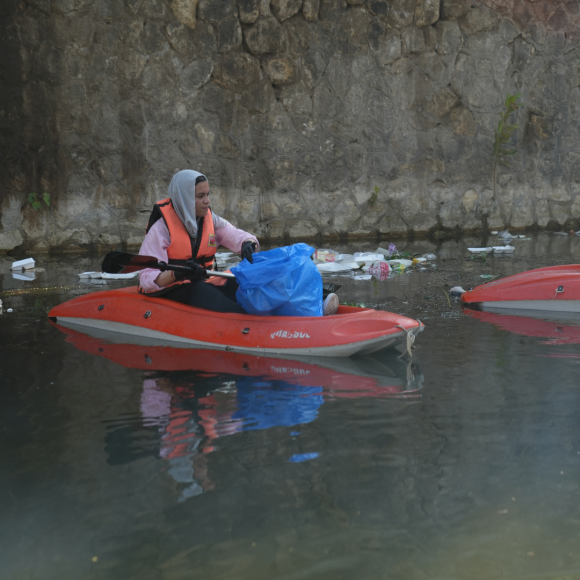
553	289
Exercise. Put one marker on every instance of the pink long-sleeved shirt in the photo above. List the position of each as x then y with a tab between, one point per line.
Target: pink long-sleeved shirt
157	240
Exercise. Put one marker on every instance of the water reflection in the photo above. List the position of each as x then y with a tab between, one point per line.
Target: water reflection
557	328
193	397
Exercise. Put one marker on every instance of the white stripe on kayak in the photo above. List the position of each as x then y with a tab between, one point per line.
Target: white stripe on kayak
340	350
557	305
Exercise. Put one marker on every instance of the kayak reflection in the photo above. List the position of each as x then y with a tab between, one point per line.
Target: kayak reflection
192	397
557	328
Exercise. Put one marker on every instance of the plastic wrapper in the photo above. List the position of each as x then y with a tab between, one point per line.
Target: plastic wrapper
379	270
323	255
280	282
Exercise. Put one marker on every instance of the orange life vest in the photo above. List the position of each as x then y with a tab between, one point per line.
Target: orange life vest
183	247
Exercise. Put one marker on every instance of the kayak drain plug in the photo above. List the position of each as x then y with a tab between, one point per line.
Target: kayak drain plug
245	331
147	314
101	307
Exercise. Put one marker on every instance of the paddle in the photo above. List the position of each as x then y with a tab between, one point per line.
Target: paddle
124	263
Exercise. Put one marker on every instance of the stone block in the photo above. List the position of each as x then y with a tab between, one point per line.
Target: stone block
454	9
296	99
332	10
269	210
402	12
185	11
426	12
469	200
275	230
313	65
291	205
326	104
284	9
302	230
560	213
299	36
522	215
265	36
449	37
355	160
229	34
226	147
338	75
237	70
575	208
462	122
259	97
280	70
281	170
215	10
310	9
205	42
206	137
179	37
247	206
417	87
413	39
379	8
248	10
311	165
346	214
480	19
441	102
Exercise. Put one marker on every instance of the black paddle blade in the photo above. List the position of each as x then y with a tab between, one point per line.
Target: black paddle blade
124	263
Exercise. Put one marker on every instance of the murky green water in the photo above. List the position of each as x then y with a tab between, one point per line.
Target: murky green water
118	462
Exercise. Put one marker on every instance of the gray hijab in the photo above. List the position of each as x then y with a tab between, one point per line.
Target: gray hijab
182	194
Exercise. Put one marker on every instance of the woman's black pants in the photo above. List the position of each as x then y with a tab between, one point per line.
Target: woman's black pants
207	296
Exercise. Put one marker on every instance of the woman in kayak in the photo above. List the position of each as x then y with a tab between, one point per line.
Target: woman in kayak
182	230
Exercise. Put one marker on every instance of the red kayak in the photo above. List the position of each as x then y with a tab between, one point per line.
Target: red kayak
553	289
340	378
350	331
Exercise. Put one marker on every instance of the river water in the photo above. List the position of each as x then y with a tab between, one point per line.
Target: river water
122	461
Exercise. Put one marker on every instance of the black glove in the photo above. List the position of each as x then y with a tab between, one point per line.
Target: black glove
197	272
248	248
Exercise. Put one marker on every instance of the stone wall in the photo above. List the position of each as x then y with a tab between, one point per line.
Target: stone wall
310	117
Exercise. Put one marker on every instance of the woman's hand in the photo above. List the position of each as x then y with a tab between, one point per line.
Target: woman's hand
248	248
197	272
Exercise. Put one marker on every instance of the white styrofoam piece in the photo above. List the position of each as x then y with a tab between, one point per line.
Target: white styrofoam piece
24	275
503	249
85	274
96	275
337	266
25	264
368	257
403	262
363	277
478	250
128	276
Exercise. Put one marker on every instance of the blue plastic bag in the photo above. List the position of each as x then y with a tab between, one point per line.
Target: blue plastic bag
280	282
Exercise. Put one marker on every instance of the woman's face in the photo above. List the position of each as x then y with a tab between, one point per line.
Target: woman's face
201	199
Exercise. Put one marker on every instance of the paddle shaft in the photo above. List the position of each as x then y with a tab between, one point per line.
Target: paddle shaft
163	266
117	262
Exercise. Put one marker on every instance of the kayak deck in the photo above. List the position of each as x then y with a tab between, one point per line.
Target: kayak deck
552	289
351	331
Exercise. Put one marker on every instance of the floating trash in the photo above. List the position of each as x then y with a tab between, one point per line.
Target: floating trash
300	457
456	291
25	264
